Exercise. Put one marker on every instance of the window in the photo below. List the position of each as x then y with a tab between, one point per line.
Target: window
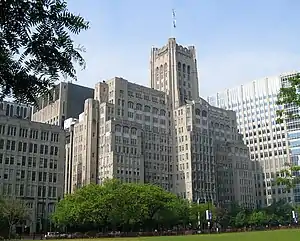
118	128
13	145
162	112
20	146
139	106
130	105
23	161
147	108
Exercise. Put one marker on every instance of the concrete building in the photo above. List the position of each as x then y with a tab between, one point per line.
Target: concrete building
165	135
69	128
173	70
255	105
123	133
203	165
15	110
66	101
235	174
32	166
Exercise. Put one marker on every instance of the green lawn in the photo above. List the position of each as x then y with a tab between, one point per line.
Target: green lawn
281	235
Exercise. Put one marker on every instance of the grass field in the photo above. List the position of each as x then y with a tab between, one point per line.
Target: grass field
279	235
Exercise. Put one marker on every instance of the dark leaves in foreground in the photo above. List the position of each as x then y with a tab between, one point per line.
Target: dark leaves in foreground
36	46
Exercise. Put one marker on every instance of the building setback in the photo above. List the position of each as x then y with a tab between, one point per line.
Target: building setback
15	110
165	135
66	101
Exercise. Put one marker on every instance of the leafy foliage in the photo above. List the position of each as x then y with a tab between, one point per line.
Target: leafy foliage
125	206
289	177
289	95
36	47
132	207
13	211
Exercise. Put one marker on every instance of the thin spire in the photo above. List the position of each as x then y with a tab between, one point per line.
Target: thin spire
174	18
173	21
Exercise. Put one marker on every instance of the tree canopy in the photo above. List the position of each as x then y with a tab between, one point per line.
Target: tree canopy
125	206
133	207
36	47
289	95
289	176
12	211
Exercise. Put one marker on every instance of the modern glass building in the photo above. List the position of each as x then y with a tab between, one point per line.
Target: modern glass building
293	136
272	146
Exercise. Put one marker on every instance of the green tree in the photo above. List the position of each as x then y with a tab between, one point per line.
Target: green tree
36	46
121	206
279	212
240	219
288	95
222	216
13	211
289	177
258	218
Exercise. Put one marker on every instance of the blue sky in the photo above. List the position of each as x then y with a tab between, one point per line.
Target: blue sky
236	40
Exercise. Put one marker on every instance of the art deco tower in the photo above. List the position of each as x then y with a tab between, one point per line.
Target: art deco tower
174	71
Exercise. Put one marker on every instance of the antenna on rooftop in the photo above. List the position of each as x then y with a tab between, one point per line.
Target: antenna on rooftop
173	22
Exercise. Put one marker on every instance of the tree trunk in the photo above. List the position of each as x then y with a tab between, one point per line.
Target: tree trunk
9	231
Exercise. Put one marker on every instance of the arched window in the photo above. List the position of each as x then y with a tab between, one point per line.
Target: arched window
188	69
130	104
21	112
179	66
162	113
25	112
154	110
18	110
133	131
118	128
183	68
204	113
125	129
7	109
11	111
166	70
161	70
197	111
139	106
157	74
1	106
147	108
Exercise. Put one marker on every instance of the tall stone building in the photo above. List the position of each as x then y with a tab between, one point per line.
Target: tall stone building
209	154
17	110
165	135
173	70
65	101
235	174
32	166
123	133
